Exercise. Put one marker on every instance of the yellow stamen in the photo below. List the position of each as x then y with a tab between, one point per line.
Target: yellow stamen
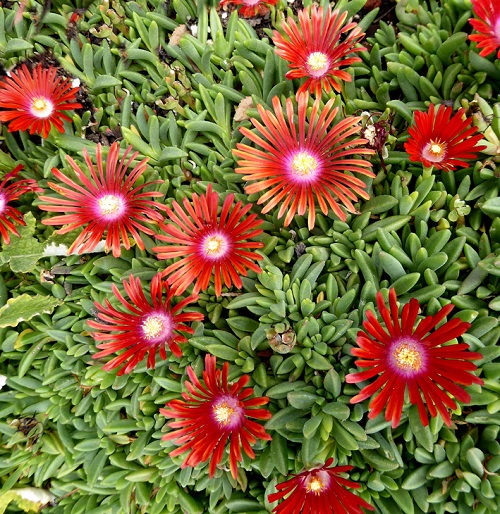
317	61
214	245
407	357
153	326
437	149
315	485
109	204
223	413
304	164
39	104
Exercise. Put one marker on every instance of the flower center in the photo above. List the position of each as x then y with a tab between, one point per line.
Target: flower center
155	327
215	246
496	29
223	413
2	203
227	412
317	482
407	356
434	151
41	107
304	165
317	63
110	206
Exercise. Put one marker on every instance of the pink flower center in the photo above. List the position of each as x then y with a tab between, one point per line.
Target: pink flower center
227	412
41	107
434	151
408	356
317	482
110	207
304	166
251	2
317	64
496	29
156	327
2	203
215	245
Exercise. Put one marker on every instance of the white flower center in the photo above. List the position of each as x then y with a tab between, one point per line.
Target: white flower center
215	246
318	63
41	107
110	205
2	203
317	482
434	151
304	165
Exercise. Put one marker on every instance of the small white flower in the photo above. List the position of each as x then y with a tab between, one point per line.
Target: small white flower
3	380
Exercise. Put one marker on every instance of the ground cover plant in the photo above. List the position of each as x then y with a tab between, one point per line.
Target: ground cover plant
250	256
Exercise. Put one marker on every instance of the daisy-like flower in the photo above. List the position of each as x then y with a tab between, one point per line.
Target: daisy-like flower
411	358
141	326
208	243
35	99
440	140
8	193
488	26
313	48
250	8
213	413
321	490
305	164
108	202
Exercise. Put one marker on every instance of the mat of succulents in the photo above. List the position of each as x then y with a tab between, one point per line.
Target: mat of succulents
250	256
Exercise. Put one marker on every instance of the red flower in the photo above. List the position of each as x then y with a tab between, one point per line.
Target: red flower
209	243
8	215
142	327
304	164
319	491
34	100
436	140
106	202
488	26
250	7
412	358
313	49
213	413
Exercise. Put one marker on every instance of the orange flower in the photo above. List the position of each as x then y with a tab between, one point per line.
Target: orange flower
208	243
108	202
304	163
314	50
34	100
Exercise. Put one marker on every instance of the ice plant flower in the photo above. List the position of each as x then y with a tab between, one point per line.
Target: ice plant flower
213	413
35	99
303	164
250	8
108	201
321	490
440	140
313	48
8	193
208	243
140	326
414	359
487	26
